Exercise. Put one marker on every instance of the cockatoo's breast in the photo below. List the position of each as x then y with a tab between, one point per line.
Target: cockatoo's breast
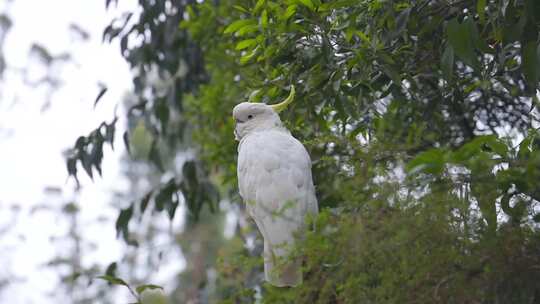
274	169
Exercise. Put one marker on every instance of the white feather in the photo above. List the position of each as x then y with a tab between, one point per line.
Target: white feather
274	178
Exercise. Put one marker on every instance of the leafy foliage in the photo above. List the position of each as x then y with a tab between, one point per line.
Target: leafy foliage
420	116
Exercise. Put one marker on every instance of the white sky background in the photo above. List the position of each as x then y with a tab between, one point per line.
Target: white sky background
31	155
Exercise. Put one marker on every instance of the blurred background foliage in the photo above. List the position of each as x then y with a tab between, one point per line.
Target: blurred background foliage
421	119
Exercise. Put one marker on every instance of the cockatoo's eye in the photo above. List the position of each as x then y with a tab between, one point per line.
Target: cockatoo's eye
250	116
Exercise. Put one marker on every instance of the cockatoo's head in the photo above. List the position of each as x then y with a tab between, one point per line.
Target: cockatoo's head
250	116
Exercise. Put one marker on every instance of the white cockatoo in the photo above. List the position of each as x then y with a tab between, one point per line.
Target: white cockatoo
274	178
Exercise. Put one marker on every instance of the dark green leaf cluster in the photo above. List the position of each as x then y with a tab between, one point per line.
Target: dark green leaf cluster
88	150
193	189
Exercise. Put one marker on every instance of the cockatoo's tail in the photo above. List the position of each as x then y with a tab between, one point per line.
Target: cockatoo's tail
282	105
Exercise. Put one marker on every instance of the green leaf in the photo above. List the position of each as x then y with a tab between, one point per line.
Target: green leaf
125	137
532	9
87	163
525	146
246	58
478	146
481	10
498	146
447	62
431	161
531	64
145	200
96	154
155	156
255	96
165	196
100	94
290	11
264	19
460	38
258	6
349	33
109	132
478	43
70	208
162	113
113	280
332	5
308	3
172	206
241	8
142	288
72	166
233	27
153	296
363	37
122	222
248	29
244	44
189	171
111	269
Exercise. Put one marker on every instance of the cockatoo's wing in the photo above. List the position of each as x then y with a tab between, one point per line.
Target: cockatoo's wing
274	177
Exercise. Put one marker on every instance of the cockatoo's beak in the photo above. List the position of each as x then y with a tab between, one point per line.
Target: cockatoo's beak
282	105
